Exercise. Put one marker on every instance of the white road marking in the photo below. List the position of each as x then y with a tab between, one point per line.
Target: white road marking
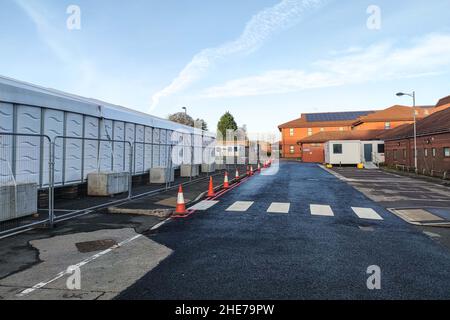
40	285
279	207
240	206
321	210
367	213
204	205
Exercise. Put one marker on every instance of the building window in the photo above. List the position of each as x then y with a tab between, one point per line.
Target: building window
427	112
395	154
446	152
381	148
291	132
310	131
341	129
291	149
322	129
387	125
404	153
433	151
337	148
425	152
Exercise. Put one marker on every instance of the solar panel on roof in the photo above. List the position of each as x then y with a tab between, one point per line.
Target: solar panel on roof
336	116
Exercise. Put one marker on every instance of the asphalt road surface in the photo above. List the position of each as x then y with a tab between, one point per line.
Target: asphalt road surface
311	252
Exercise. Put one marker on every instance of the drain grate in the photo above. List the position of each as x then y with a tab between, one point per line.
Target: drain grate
98	245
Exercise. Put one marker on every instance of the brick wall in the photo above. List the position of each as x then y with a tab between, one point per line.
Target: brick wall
437	162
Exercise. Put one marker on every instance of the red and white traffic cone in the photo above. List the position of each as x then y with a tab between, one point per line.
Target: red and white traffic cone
211	192
251	170
259	166
248	170
181	205
237	175
226	184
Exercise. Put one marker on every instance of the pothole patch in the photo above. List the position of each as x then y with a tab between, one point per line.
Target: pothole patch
97	245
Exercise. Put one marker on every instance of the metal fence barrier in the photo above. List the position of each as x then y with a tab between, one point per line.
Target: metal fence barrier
52	174
25	182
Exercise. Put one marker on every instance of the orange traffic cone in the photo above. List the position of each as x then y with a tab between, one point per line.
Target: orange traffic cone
181	206
211	192
248	170
226	184
237	174
259	166
251	170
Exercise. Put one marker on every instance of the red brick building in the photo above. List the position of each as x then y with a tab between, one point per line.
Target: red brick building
312	123
313	146
433	144
391	117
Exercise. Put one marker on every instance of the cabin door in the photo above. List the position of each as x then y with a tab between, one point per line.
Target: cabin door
368	149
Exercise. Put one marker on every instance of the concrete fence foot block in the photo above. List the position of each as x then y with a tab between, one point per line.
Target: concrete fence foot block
103	184
162	175
189	170
18	200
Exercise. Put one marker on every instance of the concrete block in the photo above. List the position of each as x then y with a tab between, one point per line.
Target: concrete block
221	166
187	170
18	200
104	184
208	168
162	175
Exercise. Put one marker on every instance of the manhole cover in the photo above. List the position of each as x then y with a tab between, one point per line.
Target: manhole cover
97	245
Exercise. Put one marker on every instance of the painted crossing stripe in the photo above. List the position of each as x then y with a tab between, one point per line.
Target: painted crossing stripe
204	205
240	206
279	207
321	210
367	213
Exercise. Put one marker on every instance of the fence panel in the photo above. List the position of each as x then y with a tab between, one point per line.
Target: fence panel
25	170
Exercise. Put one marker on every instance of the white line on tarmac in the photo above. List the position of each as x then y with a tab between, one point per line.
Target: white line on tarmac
240	206
86	261
321	210
78	265
279	207
204	205
367	213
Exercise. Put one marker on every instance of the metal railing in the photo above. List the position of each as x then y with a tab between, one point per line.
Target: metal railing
25	182
58	168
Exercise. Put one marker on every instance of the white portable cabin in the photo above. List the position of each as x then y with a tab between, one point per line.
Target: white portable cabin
29	109
353	152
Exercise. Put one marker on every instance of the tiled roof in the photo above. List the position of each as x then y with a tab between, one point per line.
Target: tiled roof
438	122
395	113
302	123
443	101
343	135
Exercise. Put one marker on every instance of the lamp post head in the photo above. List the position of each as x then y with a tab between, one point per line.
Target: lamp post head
400	94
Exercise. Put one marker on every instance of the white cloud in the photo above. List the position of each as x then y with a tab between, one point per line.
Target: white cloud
261	27
427	56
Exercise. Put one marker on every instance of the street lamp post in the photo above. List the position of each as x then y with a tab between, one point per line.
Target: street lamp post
185	110
413	96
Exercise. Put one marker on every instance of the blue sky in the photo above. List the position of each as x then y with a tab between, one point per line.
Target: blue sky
266	61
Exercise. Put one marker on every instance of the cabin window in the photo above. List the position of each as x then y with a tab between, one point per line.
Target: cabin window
337	148
446	152
381	148
291	132
387	125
